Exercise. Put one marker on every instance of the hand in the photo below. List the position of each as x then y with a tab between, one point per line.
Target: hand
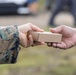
68	37
24	41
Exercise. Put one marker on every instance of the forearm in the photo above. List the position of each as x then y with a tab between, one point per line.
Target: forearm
9	44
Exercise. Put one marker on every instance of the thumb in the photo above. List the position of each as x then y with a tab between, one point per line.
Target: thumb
53	30
35	28
56	30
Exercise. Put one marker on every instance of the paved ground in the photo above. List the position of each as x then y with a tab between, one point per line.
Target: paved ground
41	20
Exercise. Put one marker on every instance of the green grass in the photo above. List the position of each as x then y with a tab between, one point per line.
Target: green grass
43	60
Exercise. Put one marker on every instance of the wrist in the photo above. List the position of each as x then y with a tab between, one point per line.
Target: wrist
20	33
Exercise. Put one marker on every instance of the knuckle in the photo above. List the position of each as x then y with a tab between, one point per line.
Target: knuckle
30	24
63	26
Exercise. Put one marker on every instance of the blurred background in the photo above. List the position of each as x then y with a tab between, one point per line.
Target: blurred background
40	60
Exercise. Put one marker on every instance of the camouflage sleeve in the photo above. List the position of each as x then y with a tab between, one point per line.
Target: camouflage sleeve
9	44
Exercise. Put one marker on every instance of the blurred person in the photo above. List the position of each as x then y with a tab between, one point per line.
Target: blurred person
33	6
48	4
68	37
59	6
13	36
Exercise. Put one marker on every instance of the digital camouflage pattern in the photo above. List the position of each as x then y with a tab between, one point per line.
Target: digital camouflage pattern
9	44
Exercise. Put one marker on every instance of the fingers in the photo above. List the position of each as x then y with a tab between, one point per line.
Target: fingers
38	43
35	28
61	45
30	40
57	30
23	40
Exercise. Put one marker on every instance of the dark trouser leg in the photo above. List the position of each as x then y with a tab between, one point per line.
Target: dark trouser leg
58	8
73	10
74	14
51	22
